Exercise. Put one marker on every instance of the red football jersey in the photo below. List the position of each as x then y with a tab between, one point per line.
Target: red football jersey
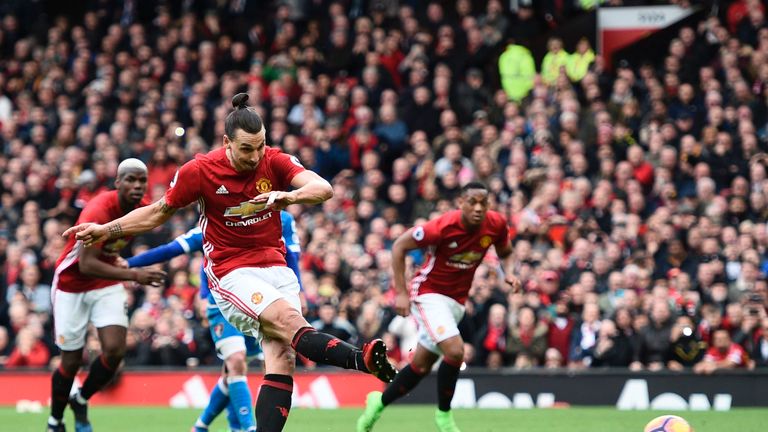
236	233
735	355
455	253
103	208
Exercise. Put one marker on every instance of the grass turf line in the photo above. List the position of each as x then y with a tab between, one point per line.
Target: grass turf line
404	419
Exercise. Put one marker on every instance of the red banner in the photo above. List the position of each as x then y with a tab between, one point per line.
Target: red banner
618	27
191	389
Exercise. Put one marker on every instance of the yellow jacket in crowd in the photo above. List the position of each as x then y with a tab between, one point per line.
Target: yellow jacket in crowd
517	70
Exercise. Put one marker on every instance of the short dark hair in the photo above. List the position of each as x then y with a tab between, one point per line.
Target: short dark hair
473	185
243	117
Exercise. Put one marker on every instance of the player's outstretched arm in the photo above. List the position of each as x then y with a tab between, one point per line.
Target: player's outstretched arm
138	221
310	188
402	246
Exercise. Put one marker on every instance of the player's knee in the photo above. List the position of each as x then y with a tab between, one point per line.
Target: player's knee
70	365
291	321
454	353
113	353
237	364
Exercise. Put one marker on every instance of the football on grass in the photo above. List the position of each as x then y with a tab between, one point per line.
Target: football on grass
668	423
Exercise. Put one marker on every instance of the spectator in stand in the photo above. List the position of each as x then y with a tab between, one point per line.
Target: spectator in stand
329	322
723	354
613	348
527	339
687	348
654	339
30	351
31	290
760	351
491	340
584	337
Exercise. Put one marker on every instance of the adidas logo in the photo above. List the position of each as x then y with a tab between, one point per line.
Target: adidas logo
222	190
194	394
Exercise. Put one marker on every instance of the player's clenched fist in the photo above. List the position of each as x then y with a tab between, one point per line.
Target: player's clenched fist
403	304
149	276
89	233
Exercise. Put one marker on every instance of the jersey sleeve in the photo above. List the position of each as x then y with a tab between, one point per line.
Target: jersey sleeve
286	167
185	186
427	234
192	241
502	239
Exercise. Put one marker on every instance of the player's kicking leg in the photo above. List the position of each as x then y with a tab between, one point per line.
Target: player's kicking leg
405	381
267	300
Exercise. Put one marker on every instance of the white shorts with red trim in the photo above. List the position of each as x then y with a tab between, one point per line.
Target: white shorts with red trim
243	294
73	311
438	318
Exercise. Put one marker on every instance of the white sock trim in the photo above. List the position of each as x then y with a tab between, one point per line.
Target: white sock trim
237	378
54	421
223	386
80	399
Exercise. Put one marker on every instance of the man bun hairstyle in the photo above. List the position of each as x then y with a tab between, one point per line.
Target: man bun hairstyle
243	117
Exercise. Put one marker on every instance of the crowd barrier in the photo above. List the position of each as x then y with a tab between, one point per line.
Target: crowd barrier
475	389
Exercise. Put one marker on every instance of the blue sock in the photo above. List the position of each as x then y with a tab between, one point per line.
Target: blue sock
241	401
232	418
219	400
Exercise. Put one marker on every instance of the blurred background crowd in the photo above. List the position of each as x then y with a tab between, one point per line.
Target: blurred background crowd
637	195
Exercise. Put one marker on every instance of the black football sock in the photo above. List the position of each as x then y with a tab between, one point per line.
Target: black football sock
326	349
405	381
98	376
274	402
61	384
447	375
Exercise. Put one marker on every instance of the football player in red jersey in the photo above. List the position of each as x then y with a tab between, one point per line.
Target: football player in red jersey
86	288
456	243
241	189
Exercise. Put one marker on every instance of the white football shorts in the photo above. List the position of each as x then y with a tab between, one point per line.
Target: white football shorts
245	293
438	318
73	311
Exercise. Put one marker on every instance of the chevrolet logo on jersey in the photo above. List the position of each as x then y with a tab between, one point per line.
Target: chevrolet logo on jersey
245	209
465	260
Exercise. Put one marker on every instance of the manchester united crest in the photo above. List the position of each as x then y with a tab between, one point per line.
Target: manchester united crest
257	297
263	185
485	241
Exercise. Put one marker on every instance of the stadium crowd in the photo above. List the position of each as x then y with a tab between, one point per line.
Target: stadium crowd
637	197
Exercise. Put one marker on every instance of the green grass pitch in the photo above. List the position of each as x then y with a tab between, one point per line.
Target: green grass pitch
406	419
